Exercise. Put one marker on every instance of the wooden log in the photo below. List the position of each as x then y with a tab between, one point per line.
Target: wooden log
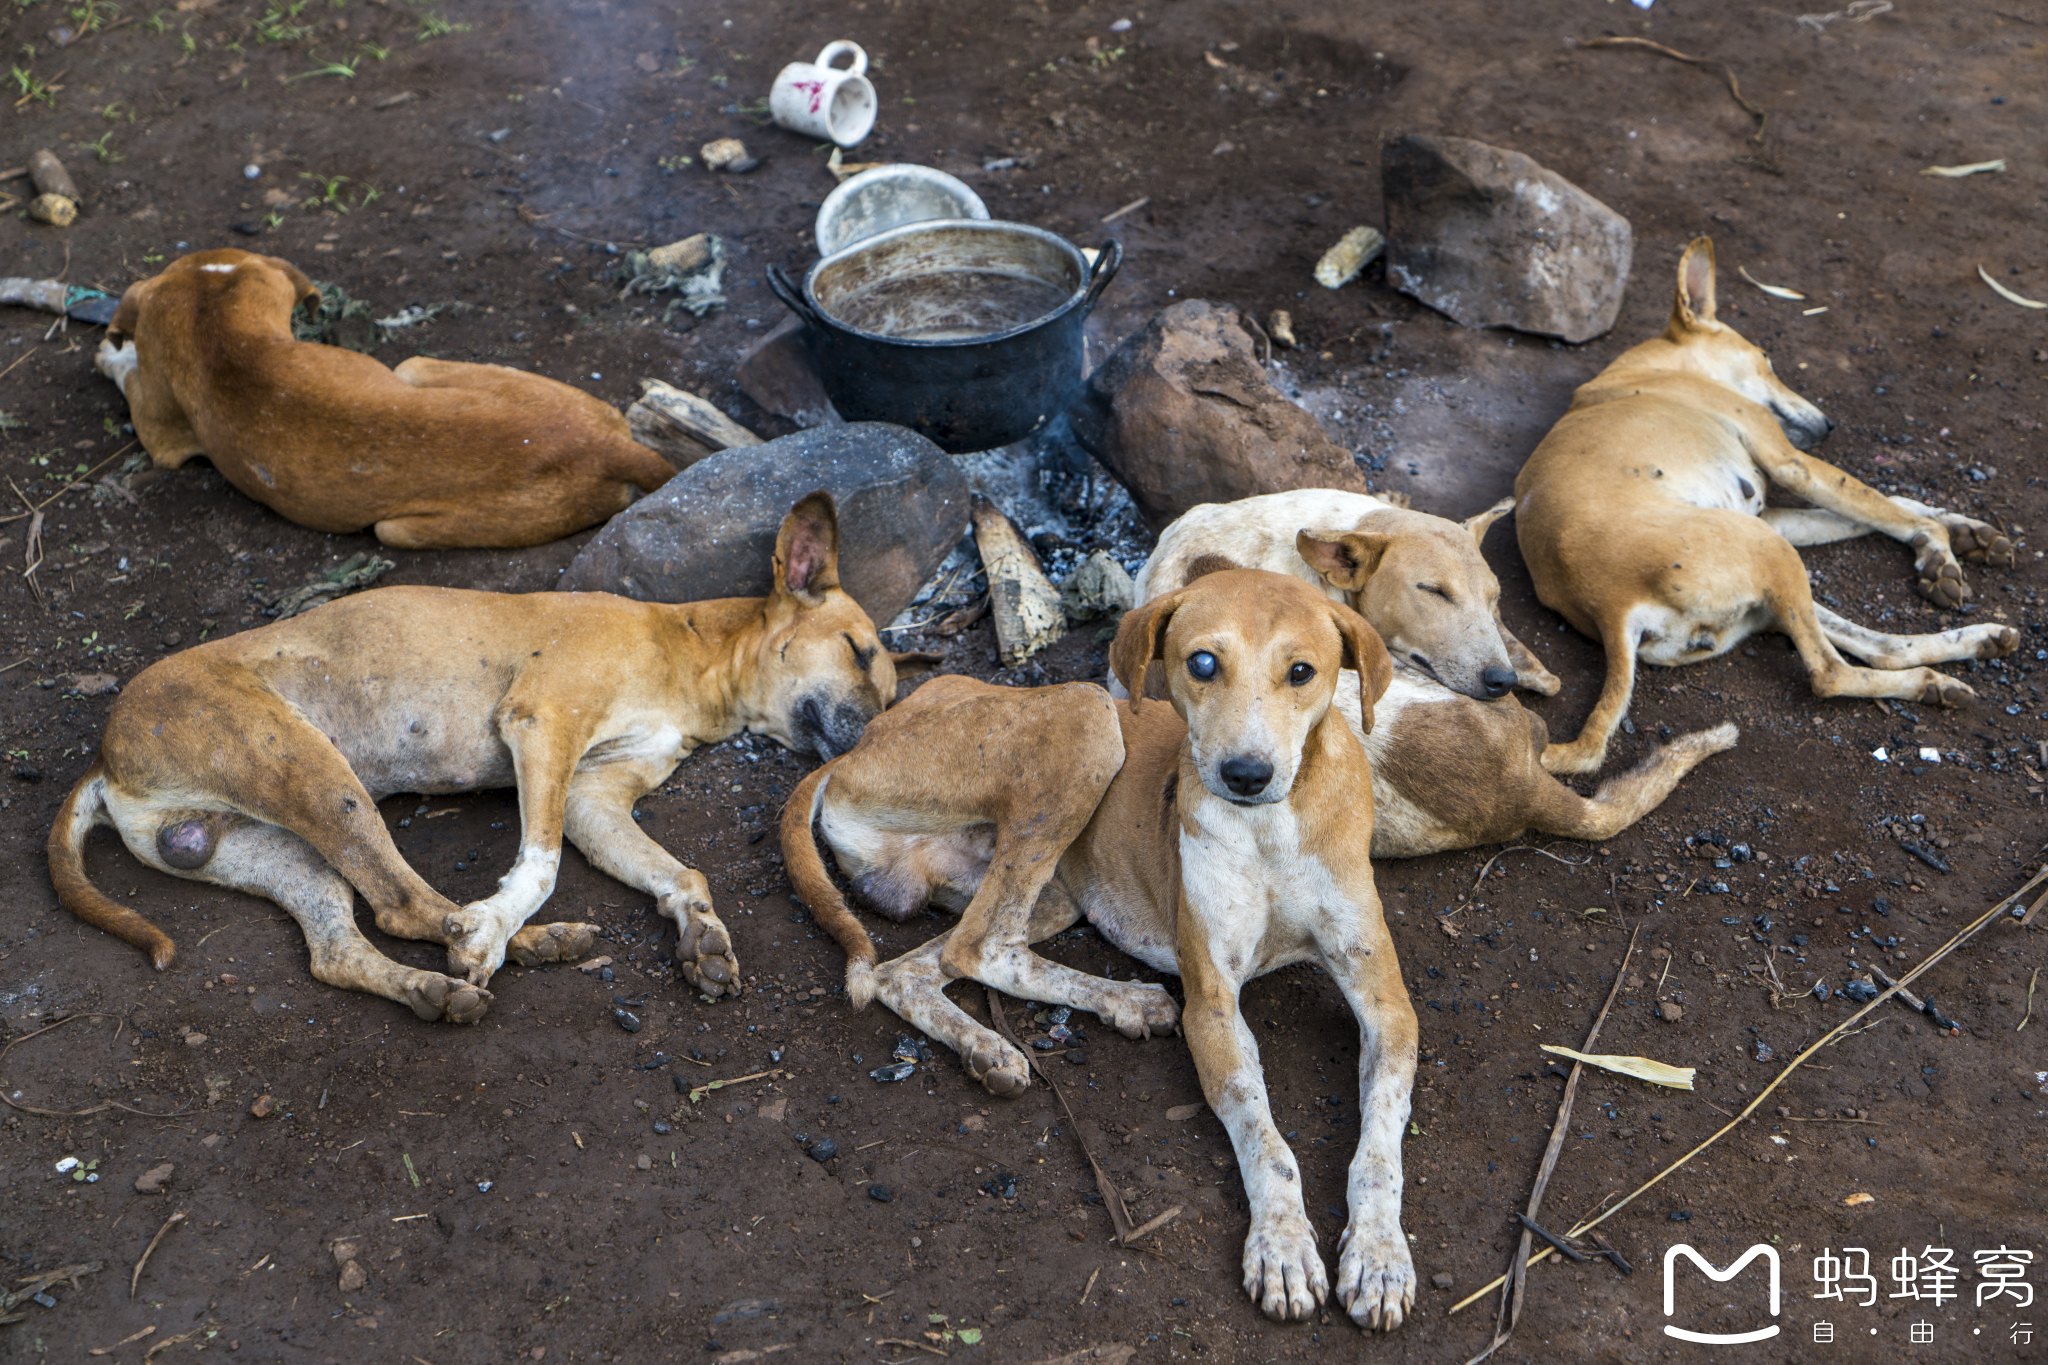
681	427
1026	604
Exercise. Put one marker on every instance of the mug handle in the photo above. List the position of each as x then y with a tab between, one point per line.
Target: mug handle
1106	264
832	51
792	297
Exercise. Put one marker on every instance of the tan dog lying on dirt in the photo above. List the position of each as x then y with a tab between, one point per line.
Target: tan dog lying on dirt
255	762
1642	518
1448	771
1217	838
431	455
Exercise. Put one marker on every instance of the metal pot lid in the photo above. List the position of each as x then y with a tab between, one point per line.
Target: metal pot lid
891	197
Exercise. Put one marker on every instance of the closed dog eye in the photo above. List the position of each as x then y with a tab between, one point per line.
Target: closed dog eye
1433	588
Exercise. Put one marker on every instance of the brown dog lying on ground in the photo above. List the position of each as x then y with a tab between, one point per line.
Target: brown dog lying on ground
1642	518
1456	761
255	762
1218	838
431	455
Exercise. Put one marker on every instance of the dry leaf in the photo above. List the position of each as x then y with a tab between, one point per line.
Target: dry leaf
1860	1198
1642	1068
1450	929
1958	172
2007	294
1181	1113
1775	291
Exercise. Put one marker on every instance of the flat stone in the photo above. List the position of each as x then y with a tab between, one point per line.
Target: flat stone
1443	1279
1182	413
710	531
353	1277
1670	1011
1489	238
153	1180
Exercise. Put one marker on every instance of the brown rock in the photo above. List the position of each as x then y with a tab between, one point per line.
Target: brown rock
195	1040
264	1107
1182	414
1670	1011
153	1180
353	1278
1491	239
346	1249
1443	1279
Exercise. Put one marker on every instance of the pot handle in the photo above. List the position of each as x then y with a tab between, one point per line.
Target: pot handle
1106	264
792	298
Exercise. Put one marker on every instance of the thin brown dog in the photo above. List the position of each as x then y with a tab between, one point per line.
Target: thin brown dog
1642	518
255	762
1219	838
431	455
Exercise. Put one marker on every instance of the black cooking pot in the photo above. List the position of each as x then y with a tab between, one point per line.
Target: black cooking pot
964	330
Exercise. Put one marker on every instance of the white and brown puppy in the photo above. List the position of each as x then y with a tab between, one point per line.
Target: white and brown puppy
1448	771
432	454
1216	837
255	762
1642	518
1419	579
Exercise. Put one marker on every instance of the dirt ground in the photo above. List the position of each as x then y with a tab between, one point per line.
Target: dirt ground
539	1187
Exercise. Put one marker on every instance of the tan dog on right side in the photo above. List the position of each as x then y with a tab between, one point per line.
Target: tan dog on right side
1642	518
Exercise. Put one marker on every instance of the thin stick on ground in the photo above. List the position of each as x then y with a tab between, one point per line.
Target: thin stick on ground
2032	981
1112	1197
1522	848
1838	1031
12	1103
1504	1322
148	1251
1734	87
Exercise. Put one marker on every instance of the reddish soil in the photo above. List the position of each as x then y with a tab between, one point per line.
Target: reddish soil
1255	157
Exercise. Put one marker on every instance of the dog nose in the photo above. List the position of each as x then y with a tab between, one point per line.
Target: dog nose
1497	680
1246	776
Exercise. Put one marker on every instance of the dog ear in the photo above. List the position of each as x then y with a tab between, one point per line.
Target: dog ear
1202	565
304	291
1366	652
807	550
1138	639
1482	522
1694	305
915	665
1348	561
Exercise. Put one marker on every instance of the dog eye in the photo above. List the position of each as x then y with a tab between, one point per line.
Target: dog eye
1433	588
1202	666
1300	674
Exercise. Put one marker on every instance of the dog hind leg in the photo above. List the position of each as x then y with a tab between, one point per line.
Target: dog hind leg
276	864
1908	651
1624	799
1791	601
914	986
1619	638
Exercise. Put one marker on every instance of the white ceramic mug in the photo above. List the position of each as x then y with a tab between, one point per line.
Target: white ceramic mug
823	100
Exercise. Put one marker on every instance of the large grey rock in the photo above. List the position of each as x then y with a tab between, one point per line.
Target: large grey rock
1182	413
710	530
1491	239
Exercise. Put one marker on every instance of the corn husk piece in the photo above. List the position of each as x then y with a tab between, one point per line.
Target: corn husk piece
54	209
1775	291
2007	294
843	170
1280	327
1974	168
1354	251
1027	607
1859	1198
1642	1068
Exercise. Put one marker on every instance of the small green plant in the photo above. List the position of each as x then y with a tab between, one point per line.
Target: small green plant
684	61
335	196
102	147
274	221
92	16
118	110
155	23
373	51
33	88
1105	59
674	163
188	42
434	26
720	80
346	69
153	260
280	23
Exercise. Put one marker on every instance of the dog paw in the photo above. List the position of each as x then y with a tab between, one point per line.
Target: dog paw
1000	1068
1941	580
705	957
1978	542
1998	641
443	999
1283	1270
1375	1277
539	944
1139	1009
1942	690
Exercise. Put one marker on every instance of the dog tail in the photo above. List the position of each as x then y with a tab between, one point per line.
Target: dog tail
85	807
806	872
1624	799
641	466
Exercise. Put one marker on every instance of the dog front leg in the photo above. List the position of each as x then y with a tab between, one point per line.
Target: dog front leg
599	821
1283	1268
1530	674
1375	1272
1585	754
